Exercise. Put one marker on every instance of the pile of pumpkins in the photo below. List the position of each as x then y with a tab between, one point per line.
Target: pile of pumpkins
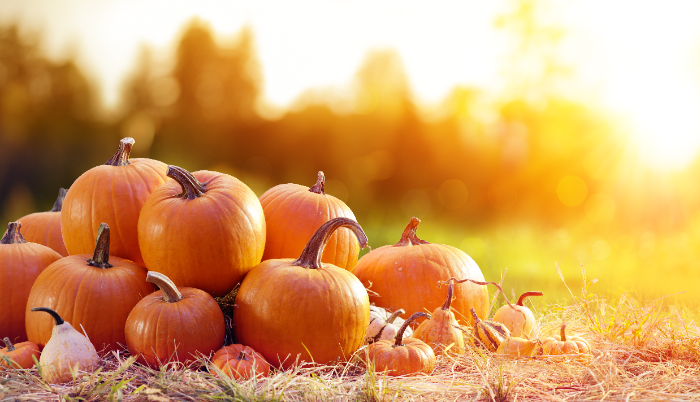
135	252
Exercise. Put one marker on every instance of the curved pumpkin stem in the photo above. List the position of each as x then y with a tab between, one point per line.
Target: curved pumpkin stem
409	237
394	315
58	205
562	333
191	187
57	318
320	186
485	283
450	292
311	255
13	235
526	295
170	292
100	258
121	157
399	333
8	344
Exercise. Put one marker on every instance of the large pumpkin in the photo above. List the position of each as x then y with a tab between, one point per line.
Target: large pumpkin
45	227
21	263
294	212
406	275
288	309
112	193
204	230
94	292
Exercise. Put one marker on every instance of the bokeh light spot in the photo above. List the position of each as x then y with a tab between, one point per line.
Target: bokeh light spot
572	191
600	249
600	208
453	193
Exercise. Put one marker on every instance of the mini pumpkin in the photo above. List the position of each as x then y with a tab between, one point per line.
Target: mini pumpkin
19	356
564	345
489	334
442	331
383	325
404	355
518	318
240	362
45	227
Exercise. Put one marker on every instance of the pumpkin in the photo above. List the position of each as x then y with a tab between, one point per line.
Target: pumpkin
95	292
404	355
442	331
20	356
516	347
45	227
518	318
67	352
204	230
564	345
239	361
303	309
112	193
382	326
406	275
174	324
489	334
294	212
21	263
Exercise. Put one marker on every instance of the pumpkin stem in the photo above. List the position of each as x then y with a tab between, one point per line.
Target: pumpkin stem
191	187
476	317
59	201
526	295
394	315
320	186
409	237
57	318
485	283
399	334
121	157
450	292
242	356
100	258
13	235
170	292
311	256
562	334
8	344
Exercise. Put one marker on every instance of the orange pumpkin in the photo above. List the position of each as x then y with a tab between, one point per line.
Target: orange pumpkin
20	265
174	324
239	361
112	193
442	331
19	356
564	345
406	275
204	230
294	212
402	356
288	309
518	318
45	227
94	292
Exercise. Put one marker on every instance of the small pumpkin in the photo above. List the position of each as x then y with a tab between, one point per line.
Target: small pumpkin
406	275
442	331
21	263
174	324
383	325
95	292
67	352
404	355
240	362
294	212
204	230
288	309
518	318
112	193
516	346
19	356
45	227
489	334
564	345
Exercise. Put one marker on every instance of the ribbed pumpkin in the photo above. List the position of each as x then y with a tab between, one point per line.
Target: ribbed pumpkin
18	356
294	212
240	361
406	275
204	230
112	193
92	291
21	263
45	227
404	355
442	330
562	344
174	324
303	308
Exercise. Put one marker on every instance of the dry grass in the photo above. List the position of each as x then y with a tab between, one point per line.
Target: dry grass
641	353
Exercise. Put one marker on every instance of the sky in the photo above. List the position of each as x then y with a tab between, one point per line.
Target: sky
640	61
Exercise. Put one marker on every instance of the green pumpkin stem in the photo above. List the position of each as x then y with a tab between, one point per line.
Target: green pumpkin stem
311	256
562	333
320	186
399	333
58	205
394	315
100	258
170	292
525	295
191	187
450	292
121	157
484	284
57	318
13	235
8	344
409	237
